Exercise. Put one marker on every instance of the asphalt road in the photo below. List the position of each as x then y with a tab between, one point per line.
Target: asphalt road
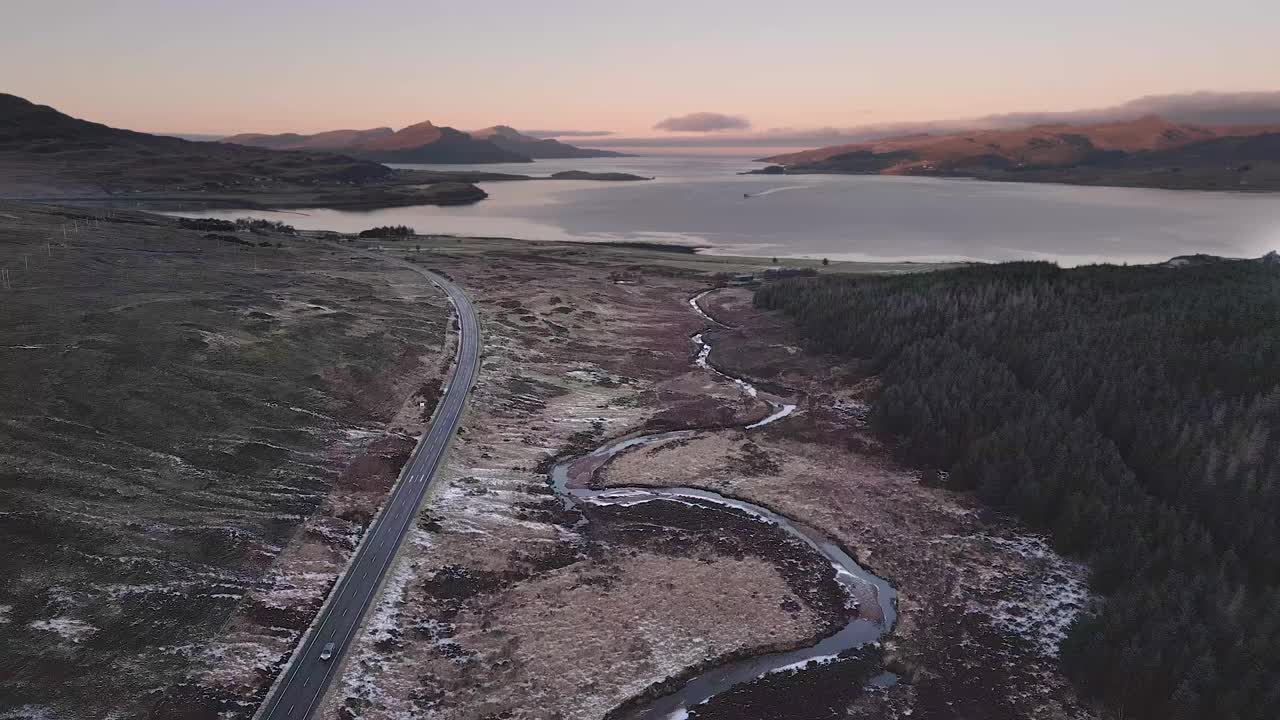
298	693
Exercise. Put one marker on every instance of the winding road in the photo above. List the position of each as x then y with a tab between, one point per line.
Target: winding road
300	689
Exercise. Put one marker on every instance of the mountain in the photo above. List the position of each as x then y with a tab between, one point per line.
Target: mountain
44	151
537	148
426	143
1038	145
332	140
420	143
1145	152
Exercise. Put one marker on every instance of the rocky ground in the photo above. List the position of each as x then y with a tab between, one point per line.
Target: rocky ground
194	434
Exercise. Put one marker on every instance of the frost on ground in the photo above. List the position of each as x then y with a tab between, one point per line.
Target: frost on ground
28	712
508	605
383	630
1041	605
234	671
189	456
69	629
981	607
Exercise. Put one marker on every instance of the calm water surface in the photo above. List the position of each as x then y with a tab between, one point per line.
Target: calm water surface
699	200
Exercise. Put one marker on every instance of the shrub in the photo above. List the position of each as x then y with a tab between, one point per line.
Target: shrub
206	224
389	231
258	225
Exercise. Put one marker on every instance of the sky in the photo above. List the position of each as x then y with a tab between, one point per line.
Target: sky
635	69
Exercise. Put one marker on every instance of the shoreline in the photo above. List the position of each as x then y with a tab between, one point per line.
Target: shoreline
404	188
1240	190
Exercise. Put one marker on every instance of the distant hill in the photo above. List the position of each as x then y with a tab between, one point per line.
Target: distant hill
420	143
1038	145
1146	152
43	151
537	148
332	140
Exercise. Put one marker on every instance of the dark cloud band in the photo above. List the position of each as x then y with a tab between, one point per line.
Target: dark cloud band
703	122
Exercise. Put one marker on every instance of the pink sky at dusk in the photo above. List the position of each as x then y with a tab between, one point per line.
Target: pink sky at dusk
274	66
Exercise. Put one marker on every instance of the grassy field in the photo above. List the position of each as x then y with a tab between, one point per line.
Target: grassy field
197	427
172	409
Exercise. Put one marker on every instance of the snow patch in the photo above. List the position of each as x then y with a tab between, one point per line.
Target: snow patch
68	628
693	302
28	712
801	664
778	414
858	410
704	352
1041	605
384	620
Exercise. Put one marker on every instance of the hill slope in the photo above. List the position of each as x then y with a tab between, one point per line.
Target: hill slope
45	151
537	148
332	140
420	143
1148	151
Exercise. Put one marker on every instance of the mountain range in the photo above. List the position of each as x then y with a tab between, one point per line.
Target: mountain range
48	154
425	143
538	148
1146	151
44	151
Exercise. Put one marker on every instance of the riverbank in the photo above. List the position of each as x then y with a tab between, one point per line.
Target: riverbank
981	605
1215	179
396	189
506	601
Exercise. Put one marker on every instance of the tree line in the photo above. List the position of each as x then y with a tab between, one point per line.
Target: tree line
388	231
1128	412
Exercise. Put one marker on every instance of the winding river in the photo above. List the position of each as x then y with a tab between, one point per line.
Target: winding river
571	477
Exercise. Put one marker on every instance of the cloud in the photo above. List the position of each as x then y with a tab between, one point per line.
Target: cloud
568	133
1205	108
703	122
779	137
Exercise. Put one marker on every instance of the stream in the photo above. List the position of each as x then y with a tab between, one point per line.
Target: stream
571	476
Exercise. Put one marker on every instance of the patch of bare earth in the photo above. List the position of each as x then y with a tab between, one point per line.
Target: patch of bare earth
507	604
981	605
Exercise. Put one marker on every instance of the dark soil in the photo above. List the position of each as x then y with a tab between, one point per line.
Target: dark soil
818	691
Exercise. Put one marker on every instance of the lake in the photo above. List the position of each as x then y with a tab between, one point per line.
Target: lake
699	200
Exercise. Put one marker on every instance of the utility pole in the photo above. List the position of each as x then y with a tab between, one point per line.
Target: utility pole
26	261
